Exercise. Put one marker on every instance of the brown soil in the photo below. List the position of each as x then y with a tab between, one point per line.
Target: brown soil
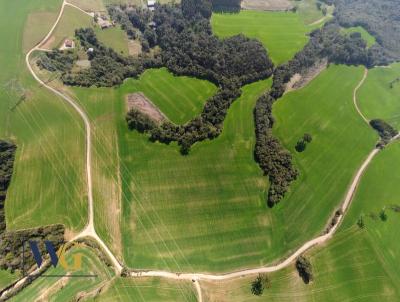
140	102
134	47
270	5
299	81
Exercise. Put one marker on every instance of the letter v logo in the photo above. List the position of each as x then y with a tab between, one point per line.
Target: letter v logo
38	257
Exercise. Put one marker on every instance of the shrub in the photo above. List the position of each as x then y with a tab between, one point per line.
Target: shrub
304	268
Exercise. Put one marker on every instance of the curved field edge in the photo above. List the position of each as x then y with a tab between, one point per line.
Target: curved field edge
357	264
283	34
48	177
379	96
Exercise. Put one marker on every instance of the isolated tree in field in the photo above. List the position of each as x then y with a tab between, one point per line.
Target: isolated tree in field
307	138
259	284
303	266
360	222
301	146
382	215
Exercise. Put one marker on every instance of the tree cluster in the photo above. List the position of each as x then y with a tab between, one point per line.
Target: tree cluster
302	143
273	159
385	131
11	245
232	6
107	67
260	284
57	60
139	121
304	268
7	154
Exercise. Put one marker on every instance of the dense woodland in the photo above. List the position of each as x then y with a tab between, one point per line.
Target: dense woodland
232	6
381	18
7	154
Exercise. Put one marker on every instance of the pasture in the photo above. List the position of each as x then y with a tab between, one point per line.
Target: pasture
149	290
379	97
49	178
282	33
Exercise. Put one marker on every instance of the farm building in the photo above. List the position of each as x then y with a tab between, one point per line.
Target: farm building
104	22
68	44
151	4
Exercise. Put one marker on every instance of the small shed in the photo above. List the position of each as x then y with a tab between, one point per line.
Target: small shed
151	4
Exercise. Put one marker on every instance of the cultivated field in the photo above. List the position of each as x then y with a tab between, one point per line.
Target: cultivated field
341	141
48	179
282	33
149	290
357	263
380	99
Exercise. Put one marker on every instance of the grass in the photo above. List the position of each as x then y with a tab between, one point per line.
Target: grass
364	34
49	174
89	5
7	278
308	11
65	289
113	37
282	33
356	264
149	290
376	97
341	141
72	19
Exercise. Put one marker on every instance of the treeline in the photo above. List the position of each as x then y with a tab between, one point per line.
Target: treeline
273	159
12	257
380	18
7	155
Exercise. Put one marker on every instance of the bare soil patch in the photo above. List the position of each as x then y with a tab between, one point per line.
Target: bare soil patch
49	43
299	81
267	5
140	102
134	47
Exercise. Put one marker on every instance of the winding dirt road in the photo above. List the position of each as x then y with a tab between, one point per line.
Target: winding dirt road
90	231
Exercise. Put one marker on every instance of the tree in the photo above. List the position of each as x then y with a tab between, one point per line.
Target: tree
307	138
360	222
382	215
304	268
194	8
301	145
259	284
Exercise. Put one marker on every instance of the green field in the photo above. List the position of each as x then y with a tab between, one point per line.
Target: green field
341	141
72	19
282	33
49	178
364	34
149	290
64	288
357	265
113	37
376	97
